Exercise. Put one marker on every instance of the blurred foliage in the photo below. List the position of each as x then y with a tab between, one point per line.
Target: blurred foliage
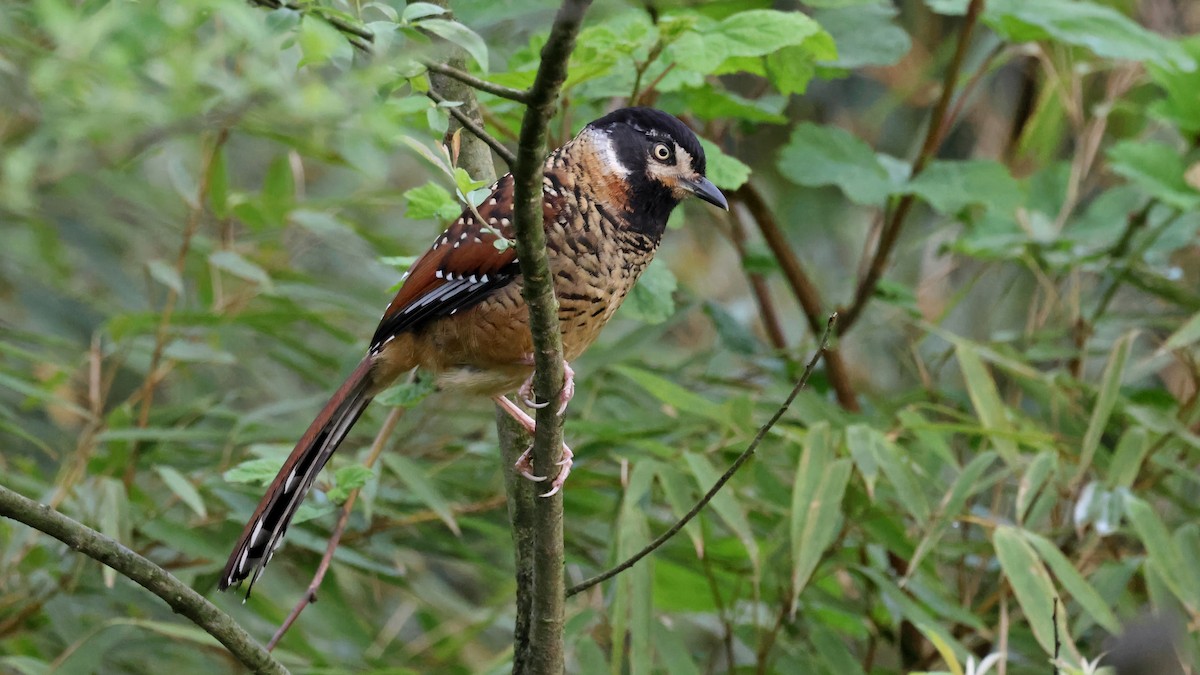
204	206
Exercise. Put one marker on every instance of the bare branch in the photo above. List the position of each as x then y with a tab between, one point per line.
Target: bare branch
733	468
477	130
179	596
518	95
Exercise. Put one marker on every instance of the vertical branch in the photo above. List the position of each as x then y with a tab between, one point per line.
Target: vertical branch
546	629
475	158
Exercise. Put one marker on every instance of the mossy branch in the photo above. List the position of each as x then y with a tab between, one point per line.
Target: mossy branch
181	598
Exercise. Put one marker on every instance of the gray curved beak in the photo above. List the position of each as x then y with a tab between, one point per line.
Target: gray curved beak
704	189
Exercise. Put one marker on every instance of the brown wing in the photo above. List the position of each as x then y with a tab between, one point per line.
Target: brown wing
460	270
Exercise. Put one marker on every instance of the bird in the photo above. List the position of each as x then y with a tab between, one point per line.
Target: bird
459	315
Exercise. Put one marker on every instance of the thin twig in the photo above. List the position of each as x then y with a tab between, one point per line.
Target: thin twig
153	376
733	468
518	95
472	126
933	140
335	538
178	595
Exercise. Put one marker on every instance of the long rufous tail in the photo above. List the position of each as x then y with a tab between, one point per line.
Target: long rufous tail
264	533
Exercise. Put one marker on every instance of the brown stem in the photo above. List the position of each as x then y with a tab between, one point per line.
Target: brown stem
938	127
758	285
733	468
802	287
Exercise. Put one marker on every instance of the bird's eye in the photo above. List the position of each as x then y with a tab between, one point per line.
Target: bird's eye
661	152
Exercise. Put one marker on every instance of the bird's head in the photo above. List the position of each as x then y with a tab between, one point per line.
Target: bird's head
659	160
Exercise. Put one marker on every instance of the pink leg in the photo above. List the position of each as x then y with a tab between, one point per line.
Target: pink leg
564	396
524	463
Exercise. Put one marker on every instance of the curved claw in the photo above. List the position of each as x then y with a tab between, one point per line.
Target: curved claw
536	479
564	397
553	491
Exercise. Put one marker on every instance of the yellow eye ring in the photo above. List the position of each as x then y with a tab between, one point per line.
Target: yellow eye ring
661	152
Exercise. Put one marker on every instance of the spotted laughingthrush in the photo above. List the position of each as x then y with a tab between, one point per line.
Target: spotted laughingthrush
459	314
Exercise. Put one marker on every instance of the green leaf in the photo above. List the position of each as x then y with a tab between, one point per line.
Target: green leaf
1074	583
423	488
1127	460
1035	477
817	156
253	471
166	274
1185	336
674	654
725	171
1163	553
965	485
727	506
407	394
460	35
1106	398
652	298
680	495
817	492
865	442
859	439
1032	585
1102	30
632	607
951	186
680	398
319	41
183	488
235	264
1182	88
1158	169
420	10
751	33
347	479
431	201
986	399
865	36
193	351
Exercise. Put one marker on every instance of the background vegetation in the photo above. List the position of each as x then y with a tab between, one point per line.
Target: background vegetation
205	204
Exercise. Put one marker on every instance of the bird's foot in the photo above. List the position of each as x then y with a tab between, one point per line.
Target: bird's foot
524	466
564	396
524	463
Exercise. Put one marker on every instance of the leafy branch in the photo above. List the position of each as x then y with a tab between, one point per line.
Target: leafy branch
179	596
357	35
733	468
